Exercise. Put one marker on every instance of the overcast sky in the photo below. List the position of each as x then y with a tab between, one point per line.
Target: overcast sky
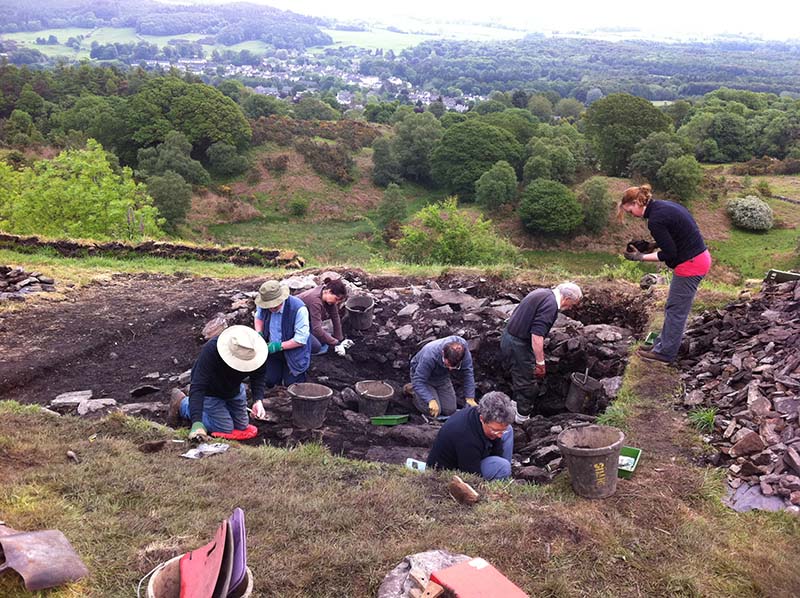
772	20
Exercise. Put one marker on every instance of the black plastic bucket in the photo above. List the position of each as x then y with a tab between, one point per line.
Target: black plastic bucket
373	397
579	396
309	404
592	457
359	311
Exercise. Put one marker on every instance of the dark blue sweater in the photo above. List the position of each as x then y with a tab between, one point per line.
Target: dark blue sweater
462	445
212	377
675	232
535	315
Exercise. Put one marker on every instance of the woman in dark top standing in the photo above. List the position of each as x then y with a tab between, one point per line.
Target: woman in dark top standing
323	303
680	247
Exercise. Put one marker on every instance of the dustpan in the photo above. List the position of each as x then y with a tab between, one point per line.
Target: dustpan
202	569
44	559
239	565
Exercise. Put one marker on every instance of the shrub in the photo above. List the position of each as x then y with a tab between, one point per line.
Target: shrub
537	167
750	213
597	203
172	195
497	186
441	234
276	164
391	212
763	188
549	207
298	206
682	176
329	160
225	160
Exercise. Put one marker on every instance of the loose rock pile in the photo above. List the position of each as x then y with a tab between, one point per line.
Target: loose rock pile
406	316
745	362
15	283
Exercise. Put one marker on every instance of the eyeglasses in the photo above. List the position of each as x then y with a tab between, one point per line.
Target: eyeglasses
495	431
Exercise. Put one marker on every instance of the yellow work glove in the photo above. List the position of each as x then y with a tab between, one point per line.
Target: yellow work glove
433	408
471	402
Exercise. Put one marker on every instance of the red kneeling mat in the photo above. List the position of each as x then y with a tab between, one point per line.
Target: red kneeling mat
476	579
249	432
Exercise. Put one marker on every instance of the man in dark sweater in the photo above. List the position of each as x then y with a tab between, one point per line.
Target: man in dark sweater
430	376
217	401
478	439
522	343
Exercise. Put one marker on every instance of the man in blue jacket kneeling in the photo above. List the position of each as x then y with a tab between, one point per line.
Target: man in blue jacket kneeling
478	439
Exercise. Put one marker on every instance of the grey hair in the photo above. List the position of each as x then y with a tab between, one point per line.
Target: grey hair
569	290
496	406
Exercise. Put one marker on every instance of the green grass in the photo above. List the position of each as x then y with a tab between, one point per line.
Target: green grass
328	242
753	254
590	262
703	419
376	39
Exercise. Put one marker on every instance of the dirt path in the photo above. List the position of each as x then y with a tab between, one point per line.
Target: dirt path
107	336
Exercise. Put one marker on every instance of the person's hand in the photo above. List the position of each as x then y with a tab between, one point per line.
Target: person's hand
433	408
471	402
634	256
340	350
539	370
258	410
274	347
198	432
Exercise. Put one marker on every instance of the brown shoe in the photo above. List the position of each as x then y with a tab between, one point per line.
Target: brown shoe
653	356
174	413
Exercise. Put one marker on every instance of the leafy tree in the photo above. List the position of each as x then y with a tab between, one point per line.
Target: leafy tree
490	106
519	98
224	160
452	118
31	102
206	117
311	108
651	154
682	176
516	121
172	196
537	167
442	234
232	89
540	107
469	149
678	111
380	112
98	117
77	195
415	138
616	123
597	204
730	131
19	130
437	108
257	105
549	207
569	108
497	186
391	212
173	155
386	167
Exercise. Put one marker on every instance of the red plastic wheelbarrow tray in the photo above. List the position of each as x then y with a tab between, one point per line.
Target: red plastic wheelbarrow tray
476	578
201	569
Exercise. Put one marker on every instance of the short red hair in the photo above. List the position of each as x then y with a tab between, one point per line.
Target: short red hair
638	195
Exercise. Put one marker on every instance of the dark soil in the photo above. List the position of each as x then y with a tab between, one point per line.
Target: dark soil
109	335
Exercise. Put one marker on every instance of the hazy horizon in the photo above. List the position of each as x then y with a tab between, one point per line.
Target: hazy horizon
680	19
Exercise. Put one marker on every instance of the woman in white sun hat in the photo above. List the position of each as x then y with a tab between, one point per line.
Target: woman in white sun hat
217	401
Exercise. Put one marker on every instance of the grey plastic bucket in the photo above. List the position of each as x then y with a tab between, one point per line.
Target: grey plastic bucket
580	392
309	404
359	311
166	582
592	457
373	397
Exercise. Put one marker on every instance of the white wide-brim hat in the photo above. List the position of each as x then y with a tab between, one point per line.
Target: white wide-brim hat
242	348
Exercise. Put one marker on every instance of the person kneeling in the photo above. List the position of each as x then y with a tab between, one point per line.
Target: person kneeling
217	401
478	439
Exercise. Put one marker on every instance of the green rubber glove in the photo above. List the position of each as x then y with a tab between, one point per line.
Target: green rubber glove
198	432
274	347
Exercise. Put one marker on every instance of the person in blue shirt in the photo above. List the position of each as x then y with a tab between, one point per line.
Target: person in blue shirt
284	323
430	375
477	440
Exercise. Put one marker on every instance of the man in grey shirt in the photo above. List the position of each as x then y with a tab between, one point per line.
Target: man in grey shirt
430	375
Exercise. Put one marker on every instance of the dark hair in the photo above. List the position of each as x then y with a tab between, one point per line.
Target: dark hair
453	353
335	286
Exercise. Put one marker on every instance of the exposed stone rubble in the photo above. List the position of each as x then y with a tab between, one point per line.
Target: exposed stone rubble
408	316
744	361
15	283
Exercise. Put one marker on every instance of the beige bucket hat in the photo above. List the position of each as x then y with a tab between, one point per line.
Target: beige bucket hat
271	294
242	348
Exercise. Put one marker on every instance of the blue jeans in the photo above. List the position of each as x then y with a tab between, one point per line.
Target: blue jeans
317	347
499	468
278	372
682	290
222	415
